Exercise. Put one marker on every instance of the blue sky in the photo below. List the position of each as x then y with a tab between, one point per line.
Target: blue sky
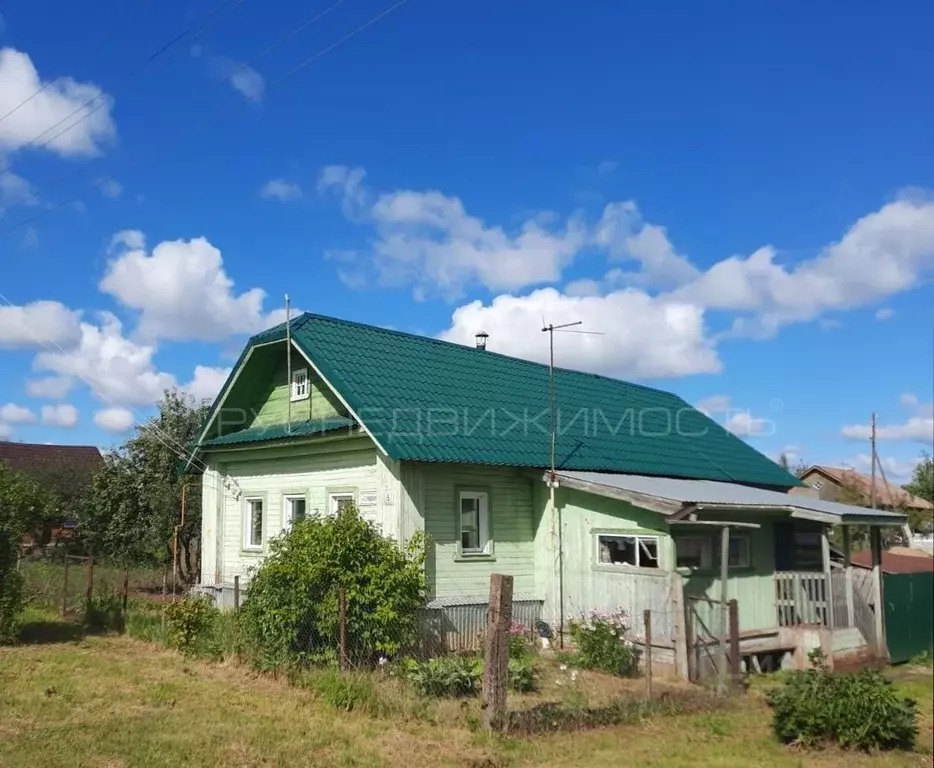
739	198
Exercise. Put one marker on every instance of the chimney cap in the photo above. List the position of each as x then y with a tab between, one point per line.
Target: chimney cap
481	338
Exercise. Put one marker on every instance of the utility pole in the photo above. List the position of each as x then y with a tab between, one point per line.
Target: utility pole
288	366
872	442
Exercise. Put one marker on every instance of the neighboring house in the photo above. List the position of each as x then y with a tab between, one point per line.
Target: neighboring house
65	469
425	435
836	483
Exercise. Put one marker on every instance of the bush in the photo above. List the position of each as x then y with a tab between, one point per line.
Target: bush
520	641
859	711
188	620
345	691
451	676
291	611
602	643
11	599
104	612
522	675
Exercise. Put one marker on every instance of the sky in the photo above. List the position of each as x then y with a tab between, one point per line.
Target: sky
736	200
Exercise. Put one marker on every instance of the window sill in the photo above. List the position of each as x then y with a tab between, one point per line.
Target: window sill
628	569
251	551
470	557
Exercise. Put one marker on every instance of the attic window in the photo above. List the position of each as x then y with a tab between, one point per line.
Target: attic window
818	485
300	384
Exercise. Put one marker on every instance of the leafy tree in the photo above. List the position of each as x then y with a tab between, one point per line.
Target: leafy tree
23	501
922	486
135	501
797	468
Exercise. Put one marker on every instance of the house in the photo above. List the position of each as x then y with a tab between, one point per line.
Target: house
838	483
651	504
66	469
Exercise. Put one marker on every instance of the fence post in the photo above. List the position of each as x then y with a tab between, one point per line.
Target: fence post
689	641
90	577
65	589
647	616
680	638
126	588
236	593
735	669
496	658
165	581
342	607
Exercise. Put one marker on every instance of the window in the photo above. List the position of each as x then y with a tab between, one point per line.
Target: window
300	384
818	485
739	552
253	524
295	508
338	502
694	552
636	551
474	508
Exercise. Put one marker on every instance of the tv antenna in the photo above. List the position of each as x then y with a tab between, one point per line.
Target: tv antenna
550	329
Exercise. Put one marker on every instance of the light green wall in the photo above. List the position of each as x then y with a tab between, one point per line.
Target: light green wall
752	587
430	490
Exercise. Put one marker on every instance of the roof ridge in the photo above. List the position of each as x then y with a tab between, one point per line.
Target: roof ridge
446	343
49	445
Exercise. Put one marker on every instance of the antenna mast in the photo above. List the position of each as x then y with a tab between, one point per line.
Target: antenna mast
288	366
872	442
550	330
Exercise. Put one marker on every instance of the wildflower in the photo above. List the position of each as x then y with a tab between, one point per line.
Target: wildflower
382	660
563	667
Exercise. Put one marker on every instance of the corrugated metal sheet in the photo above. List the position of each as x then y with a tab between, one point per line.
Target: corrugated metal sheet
279	431
461	627
731	494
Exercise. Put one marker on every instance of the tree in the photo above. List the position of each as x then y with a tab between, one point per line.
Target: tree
22	503
135	501
922	486
797	469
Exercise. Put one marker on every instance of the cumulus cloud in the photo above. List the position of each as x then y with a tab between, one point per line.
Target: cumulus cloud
280	189
38	324
115	420
739	421
181	290
74	118
110	188
347	185
206	383
643	337
897	471
242	78
117	370
49	388
63	415
14	414
916	429
15	190
885	313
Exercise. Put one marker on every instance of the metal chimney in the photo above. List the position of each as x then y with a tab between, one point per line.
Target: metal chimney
481	339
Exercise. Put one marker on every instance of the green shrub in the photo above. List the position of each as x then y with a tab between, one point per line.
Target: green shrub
522	677
445	676
291	610
345	691
859	711
104	612
520	641
188	620
602	643
11	599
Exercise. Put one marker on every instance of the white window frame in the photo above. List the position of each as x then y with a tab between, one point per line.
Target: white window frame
638	537
294	392
818	485
287	499
334	498
248	544
706	552
485	539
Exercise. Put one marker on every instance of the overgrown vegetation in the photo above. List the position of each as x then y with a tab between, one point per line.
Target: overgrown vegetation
602	642
860	711
291	614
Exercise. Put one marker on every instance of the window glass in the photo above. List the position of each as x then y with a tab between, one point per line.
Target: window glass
635	551
693	552
296	508
340	502
474	522
254	523
300	384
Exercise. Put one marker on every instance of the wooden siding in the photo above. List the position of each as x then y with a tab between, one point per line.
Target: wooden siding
309	470
752	587
434	491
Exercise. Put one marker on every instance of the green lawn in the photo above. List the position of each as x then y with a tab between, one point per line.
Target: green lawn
73	700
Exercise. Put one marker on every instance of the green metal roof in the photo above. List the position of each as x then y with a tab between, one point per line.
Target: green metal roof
279	431
424	399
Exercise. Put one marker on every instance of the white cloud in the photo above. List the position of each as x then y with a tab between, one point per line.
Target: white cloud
206	383
62	415
917	429
897	471
739	421
83	130
347	184
908	400
110	188
6	431
127	239
644	337
714	404
37	324
118	371
606	167
182	291
248	82
744	424
280	189
277	316
793	453
49	388
11	413
114	419
15	190
885	313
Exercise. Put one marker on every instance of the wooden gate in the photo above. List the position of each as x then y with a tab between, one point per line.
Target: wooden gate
704	629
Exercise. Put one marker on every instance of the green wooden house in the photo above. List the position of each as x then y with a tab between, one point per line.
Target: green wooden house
650	502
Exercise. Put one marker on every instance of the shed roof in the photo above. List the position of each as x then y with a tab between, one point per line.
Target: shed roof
897	562
423	399
60	465
713	494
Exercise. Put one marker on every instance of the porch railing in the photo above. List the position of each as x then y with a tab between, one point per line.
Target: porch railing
803	598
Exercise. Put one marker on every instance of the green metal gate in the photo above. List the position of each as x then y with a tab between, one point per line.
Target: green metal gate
909	614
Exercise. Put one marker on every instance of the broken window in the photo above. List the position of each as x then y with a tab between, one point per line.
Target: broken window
628	550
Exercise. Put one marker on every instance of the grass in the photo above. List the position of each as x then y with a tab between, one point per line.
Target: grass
44	582
70	699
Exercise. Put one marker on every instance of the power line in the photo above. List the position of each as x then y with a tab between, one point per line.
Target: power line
101	99
243	100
